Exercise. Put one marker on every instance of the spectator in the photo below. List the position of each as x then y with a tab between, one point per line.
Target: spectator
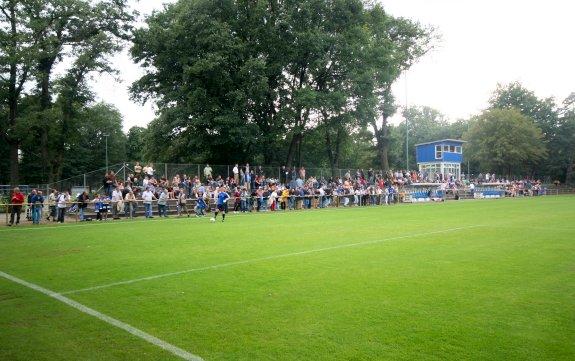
148	197
29	201
117	203
236	172
63	199
99	207
182	203
52	206
208	172
162	203
130	200
16	201
83	200
138	170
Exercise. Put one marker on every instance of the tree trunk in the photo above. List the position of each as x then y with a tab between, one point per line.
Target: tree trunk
13	95
14	166
293	148
381	136
333	154
45	66
569	171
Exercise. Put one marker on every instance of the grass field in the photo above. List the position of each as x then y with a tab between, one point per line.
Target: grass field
491	279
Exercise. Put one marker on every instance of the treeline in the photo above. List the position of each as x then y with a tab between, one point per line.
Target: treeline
265	82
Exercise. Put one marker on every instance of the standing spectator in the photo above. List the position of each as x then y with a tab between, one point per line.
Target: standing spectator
130	200
52	205
29	203
116	202
162	203
37	205
17	200
182	203
244	195
208	172
63	199
138	170
302	173
236	172
248	178
83	200
148	197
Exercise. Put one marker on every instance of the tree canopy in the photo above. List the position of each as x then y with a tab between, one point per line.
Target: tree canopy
248	81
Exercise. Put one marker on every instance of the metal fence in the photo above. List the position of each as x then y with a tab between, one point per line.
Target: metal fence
262	204
93	181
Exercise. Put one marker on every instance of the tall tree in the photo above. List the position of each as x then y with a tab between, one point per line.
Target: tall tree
395	45
135	144
18	47
237	79
545	114
43	34
506	142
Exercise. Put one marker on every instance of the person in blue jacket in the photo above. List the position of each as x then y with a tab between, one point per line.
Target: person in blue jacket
200	205
222	203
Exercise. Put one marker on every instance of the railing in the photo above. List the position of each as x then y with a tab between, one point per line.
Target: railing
136	208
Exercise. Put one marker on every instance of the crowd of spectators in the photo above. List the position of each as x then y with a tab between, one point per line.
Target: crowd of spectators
249	189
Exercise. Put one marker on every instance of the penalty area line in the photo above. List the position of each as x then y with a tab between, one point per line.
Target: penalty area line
112	321
261	259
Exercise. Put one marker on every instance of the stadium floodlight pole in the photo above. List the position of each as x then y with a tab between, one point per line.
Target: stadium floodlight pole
406	127
468	174
106	136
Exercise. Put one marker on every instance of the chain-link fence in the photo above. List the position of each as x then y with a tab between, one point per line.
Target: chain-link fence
94	181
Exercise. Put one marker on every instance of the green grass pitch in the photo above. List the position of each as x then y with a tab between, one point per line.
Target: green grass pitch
481	280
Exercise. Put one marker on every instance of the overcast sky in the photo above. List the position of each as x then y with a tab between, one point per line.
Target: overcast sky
482	43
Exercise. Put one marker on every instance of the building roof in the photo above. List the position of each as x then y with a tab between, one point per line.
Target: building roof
442	140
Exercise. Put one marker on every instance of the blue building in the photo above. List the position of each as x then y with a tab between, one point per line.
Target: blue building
440	157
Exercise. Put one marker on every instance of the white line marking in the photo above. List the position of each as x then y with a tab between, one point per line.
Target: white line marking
254	260
112	321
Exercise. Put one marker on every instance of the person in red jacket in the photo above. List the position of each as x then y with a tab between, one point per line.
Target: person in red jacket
16	201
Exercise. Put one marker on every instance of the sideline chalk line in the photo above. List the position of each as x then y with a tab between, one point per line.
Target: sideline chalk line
254	260
112	321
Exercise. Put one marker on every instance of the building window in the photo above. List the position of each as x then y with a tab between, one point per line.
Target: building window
438	152
446	148
458	150
452	148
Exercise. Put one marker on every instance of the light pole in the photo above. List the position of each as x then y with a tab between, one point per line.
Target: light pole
406	127
106	136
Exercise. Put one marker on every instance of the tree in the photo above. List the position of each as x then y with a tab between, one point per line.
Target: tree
545	114
239	81
396	44
40	35
506	142
135	144
17	48
425	124
567	137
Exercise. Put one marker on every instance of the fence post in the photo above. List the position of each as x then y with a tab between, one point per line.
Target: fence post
166	170
124	167
84	180
199	173
228	171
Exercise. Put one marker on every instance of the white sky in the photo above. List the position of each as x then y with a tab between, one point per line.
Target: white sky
484	42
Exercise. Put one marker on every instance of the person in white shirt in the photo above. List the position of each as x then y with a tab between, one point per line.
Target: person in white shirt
63	199
148	197
117	202
131	202
236	172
